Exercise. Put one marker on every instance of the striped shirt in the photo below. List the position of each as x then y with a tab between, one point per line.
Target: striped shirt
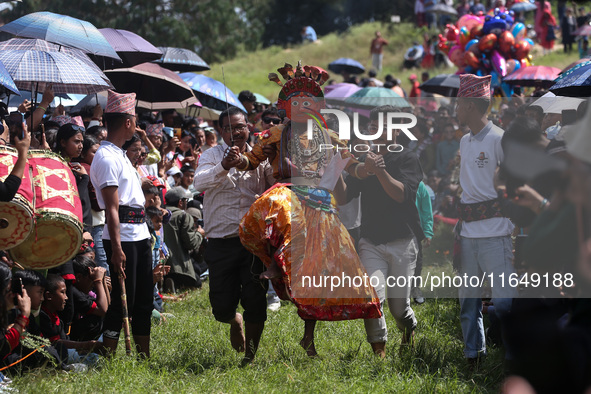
228	194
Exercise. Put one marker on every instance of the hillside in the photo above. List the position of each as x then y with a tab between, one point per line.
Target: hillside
249	70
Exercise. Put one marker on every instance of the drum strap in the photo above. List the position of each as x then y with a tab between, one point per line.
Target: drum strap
131	215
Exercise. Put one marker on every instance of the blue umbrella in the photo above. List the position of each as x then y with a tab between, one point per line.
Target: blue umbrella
33	70
523	7
6	81
63	30
575	82
345	64
181	59
211	93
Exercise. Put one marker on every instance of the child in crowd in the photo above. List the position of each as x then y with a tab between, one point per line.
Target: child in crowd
90	300
53	328
159	251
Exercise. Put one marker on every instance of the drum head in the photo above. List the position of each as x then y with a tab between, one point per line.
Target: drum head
55	240
16	223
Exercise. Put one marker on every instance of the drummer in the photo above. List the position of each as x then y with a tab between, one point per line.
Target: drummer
9	187
126	238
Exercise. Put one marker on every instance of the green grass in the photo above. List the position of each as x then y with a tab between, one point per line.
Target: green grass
249	70
192	353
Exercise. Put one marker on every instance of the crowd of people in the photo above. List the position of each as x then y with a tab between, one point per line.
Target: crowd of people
252	203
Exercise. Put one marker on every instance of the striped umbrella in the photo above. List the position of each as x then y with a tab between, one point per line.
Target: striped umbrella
34	70
181	59
542	76
36	44
63	30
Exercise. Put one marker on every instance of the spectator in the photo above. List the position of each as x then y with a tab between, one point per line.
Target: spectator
414	91
9	187
181	238
568	24
308	34
377	51
446	150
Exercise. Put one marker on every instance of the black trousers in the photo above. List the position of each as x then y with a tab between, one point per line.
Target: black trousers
233	278
138	285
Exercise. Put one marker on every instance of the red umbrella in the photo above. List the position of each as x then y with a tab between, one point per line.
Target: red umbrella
542	76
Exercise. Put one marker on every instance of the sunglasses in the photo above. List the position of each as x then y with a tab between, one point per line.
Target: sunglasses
271	120
144	154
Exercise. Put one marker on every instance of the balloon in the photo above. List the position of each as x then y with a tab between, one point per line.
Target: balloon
470	44
521	49
531	42
476	31
519	31
530	59
471	59
525	63
469	70
464	36
451	33
456	55
480	73
487	43
499	63
494	80
506	42
443	44
469	21
507	89
511	64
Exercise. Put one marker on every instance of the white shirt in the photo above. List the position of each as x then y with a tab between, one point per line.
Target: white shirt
228	194
481	155
111	167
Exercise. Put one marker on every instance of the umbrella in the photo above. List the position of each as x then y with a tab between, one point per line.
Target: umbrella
90	101
156	87
444	84
36	44
584	30
347	65
375	97
132	49
575	63
441	9
204	112
553	104
63	30
33	70
181	59
575	82
6	81
542	76
523	6
340	90
212	94
262	99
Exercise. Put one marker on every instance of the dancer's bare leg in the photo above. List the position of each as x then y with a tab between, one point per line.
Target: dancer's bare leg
307	341
237	333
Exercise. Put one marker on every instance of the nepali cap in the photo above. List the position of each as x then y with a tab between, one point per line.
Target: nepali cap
155	129
302	82
474	86
118	103
77	120
61	119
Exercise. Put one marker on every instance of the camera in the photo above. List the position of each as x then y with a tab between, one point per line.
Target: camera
16	288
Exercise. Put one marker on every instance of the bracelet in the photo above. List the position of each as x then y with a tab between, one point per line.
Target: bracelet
25	320
544	203
246	164
43	108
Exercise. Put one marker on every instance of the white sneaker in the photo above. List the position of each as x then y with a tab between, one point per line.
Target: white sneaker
273	306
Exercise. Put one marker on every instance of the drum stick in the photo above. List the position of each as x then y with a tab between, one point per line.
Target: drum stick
125	315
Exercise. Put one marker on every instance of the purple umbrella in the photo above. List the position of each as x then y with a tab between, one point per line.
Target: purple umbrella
340	90
132	49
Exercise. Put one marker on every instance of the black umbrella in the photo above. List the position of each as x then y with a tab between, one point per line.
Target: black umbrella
441	9
156	87
181	59
345	64
444	84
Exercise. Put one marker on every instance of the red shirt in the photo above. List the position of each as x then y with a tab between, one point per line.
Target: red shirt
377	45
415	91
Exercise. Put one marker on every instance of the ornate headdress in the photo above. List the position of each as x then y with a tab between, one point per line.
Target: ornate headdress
301	82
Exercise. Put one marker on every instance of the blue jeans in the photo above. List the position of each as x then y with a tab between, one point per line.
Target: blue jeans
99	251
494	256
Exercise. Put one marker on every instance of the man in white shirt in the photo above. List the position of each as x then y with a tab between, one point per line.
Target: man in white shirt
233	271
485	234
126	237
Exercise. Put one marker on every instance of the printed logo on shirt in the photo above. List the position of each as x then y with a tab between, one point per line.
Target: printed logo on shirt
481	160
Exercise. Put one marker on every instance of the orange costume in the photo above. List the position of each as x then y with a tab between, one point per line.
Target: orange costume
298	222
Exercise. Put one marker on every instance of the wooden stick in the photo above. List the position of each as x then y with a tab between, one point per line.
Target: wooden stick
125	315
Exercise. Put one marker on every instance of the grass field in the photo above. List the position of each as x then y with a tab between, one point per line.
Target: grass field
249	70
191	353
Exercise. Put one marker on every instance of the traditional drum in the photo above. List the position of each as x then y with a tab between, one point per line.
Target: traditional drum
57	235
16	216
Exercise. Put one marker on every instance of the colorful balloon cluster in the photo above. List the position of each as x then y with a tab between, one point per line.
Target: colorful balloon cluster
491	44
